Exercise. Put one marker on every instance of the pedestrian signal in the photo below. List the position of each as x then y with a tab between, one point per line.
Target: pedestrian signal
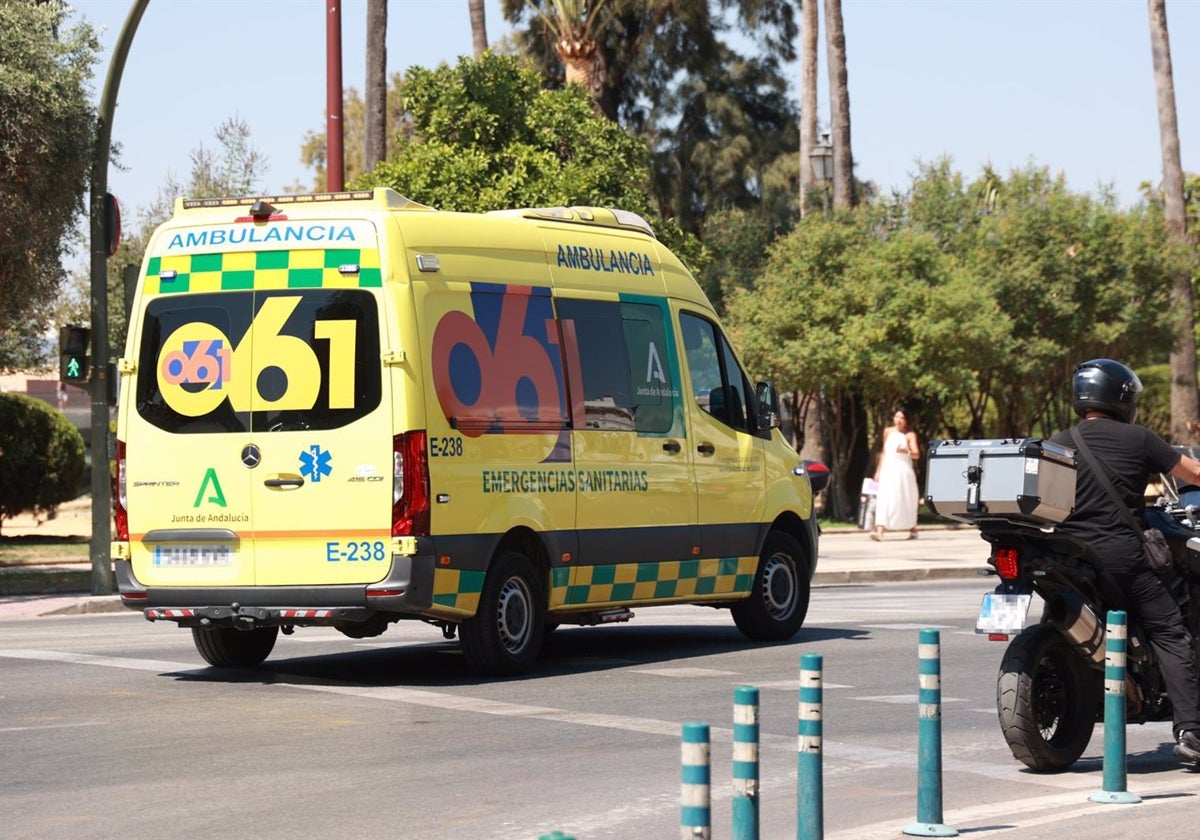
73	359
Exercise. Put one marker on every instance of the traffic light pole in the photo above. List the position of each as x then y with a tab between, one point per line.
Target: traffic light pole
102	573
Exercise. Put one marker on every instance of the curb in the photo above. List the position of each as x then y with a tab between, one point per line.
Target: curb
896	575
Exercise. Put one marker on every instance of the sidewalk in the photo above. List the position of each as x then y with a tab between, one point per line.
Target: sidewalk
847	556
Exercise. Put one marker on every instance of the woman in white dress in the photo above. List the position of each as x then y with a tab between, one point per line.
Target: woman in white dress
896	504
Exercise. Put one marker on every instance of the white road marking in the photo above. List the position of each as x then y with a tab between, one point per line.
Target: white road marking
684	672
904	699
864	754
47	726
794	685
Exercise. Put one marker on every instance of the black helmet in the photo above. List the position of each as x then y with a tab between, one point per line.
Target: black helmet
1107	386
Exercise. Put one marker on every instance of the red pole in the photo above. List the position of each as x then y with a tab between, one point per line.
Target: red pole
335	178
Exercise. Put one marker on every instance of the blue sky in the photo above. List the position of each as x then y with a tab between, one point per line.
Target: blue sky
1066	84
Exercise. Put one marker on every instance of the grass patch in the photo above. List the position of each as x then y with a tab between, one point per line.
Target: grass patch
37	549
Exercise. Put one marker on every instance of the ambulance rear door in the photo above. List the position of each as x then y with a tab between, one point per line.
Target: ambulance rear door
321	494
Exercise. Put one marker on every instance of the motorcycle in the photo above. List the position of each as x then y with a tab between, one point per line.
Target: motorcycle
1050	688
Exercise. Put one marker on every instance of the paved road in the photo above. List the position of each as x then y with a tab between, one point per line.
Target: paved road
110	727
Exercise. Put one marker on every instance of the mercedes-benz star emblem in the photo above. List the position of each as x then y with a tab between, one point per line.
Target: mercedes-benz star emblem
251	456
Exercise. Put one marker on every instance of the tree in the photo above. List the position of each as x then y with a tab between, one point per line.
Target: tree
808	98
47	131
41	457
488	136
375	133
721	127
575	26
971	302
839	107
479	40
1185	408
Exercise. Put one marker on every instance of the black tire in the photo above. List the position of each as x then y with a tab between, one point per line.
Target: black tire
778	602
225	647
1048	699
505	635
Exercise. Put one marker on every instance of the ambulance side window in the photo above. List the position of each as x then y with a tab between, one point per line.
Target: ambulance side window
624	365
719	387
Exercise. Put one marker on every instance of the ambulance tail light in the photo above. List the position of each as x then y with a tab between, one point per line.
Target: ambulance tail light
120	501
410	485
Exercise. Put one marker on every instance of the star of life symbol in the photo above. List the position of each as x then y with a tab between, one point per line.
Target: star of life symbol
314	462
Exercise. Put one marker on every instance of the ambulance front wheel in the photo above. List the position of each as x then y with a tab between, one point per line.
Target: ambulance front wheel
778	601
505	636
226	647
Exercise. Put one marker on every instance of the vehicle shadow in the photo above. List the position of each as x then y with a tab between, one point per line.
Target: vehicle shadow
567	651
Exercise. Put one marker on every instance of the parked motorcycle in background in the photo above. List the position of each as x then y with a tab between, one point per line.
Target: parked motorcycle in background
1050	688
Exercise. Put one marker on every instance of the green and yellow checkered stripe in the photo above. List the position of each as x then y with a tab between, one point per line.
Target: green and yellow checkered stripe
457	591
624	583
296	269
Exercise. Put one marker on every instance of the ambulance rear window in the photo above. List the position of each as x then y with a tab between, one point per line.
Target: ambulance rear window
261	361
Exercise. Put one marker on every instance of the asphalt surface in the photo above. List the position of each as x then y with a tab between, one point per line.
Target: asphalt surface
845	556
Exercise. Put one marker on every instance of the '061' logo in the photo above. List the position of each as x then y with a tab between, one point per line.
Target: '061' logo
199	367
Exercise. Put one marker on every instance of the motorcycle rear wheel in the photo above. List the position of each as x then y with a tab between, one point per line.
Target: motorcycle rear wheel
1047	698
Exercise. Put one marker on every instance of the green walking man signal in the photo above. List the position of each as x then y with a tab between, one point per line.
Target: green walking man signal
74	364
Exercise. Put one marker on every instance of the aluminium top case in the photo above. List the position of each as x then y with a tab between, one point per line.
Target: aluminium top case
1025	481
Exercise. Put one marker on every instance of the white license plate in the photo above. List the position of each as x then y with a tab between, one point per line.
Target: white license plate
193	555
1002	613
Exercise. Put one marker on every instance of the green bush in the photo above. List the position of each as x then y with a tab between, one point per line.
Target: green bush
41	457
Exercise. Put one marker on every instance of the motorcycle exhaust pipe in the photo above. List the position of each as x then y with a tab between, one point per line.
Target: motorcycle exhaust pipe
1071	615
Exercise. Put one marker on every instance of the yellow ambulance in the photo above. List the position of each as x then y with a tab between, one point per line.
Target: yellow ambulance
348	409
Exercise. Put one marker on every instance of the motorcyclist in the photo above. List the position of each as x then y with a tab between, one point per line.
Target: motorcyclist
1105	396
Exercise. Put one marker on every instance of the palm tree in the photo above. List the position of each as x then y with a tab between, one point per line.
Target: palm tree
1185	409
808	97
478	27
576	27
839	107
375	138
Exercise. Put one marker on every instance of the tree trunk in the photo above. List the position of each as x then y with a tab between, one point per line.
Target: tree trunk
1185	408
478	27
375	137
808	98
839	107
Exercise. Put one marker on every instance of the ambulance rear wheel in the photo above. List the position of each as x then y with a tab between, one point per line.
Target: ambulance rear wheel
778	601
225	647
505	636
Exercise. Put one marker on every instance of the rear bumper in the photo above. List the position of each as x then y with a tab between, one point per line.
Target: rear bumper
406	590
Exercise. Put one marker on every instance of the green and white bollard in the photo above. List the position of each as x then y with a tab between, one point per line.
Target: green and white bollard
695	797
810	815
745	763
1116	637
929	740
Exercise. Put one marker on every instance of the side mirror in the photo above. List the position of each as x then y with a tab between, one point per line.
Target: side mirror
818	475
768	406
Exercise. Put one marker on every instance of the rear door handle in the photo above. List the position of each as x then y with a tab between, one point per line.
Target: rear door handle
673	447
706	449
283	482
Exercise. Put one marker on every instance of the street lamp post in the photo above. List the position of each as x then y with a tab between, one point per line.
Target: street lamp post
821	157
102	575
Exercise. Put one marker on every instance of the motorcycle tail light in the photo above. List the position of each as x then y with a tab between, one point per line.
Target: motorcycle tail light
1006	563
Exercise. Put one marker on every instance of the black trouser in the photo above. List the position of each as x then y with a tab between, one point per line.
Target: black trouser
1159	616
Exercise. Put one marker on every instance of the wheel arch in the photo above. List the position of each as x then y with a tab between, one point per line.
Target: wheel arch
803	530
